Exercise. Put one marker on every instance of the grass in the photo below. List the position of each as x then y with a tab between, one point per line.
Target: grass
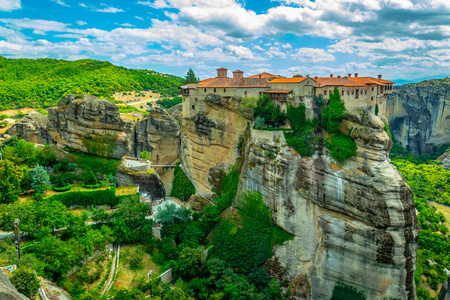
126	190
76	187
97	164
125	275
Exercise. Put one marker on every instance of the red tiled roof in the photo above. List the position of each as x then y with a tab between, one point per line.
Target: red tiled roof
289	80
350	81
189	86
232	82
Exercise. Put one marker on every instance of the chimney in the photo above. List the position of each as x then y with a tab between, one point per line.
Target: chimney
379	77
238	74
331	75
307	75
297	76
356	74
315	77
349	75
339	76
222	73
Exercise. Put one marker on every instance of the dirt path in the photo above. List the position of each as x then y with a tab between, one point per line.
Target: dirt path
115	266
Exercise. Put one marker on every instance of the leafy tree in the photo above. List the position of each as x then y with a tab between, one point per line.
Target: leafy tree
26	281
190	77
182	186
168	102
191	263
376	109
46	156
336	111
259	123
192	237
269	112
171	214
145	155
40	181
10	142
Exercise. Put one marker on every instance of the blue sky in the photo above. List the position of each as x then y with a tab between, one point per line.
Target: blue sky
401	39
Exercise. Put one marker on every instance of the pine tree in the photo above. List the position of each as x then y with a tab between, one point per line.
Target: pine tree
190	77
40	181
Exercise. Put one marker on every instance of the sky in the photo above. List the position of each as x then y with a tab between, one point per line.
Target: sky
404	40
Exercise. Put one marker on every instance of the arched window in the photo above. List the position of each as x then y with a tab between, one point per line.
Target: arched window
224	90
342	93
205	90
348	92
357	94
353	92
365	92
361	92
245	93
325	93
329	92
372	89
214	90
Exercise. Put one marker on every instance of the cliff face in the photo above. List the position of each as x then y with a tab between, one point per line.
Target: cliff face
209	141
419	115
158	134
77	120
354	224
32	128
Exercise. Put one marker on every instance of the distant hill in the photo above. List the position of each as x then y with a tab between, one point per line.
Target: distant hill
42	82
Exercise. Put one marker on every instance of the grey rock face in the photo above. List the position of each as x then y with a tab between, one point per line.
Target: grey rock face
75	119
176	112
444	293
32	128
354	224
445	159
158	134
8	291
419	115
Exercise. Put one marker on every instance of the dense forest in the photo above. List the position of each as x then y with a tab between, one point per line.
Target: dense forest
42	82
429	182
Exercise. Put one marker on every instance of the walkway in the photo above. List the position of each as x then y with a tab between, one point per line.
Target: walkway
164	166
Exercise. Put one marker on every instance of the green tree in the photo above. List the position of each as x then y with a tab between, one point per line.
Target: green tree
26	282
145	155
40	181
336	111
190	77
376	109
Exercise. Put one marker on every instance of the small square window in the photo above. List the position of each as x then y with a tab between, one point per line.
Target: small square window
195	99
193	106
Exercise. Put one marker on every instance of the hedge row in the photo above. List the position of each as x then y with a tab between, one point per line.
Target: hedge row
88	198
92	186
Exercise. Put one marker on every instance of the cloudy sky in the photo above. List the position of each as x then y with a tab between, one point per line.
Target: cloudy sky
401	39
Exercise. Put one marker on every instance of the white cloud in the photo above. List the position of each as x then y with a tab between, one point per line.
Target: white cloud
35	24
286	46
82	4
81	23
127	25
139	18
258	48
9	5
240	51
312	55
155	4
109	9
61	2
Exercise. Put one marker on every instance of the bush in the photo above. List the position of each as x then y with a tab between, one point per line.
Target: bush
269	112
345	292
302	138
182	187
92	186
342	147
88	198
62	189
26	282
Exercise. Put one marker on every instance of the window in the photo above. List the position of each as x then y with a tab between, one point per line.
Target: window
214	90
193	106
245	93
348	92
371	99
329	92
195	99
342	93
224	90
372	90
353	92
357	94
325	93
260	93
205	90
365	92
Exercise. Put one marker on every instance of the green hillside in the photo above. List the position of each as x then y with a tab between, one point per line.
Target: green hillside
42	82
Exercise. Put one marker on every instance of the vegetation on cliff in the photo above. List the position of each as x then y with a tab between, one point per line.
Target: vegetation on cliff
182	187
169	102
269	114
42	82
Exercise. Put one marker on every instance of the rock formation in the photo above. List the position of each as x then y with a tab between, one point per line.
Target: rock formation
148	181
209	141
77	121
445	159
32	128
176	112
419	115
158	134
354	224
444	293
8	291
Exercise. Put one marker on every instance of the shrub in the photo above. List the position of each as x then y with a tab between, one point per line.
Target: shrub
88	198
62	189
345	292
376	109
26	282
269	112
302	138
169	102
92	186
182	186
259	123
342	147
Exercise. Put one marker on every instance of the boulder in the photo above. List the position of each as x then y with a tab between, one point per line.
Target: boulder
176	112
32	128
8	291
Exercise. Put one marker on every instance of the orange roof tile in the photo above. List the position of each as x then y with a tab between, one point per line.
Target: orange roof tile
289	80
278	91
223	82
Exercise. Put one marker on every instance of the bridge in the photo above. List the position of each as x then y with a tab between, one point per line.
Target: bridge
164	166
